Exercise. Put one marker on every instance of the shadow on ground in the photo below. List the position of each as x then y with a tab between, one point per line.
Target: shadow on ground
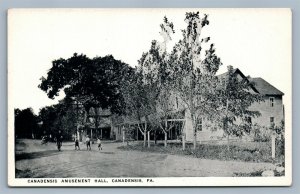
33	155
23	173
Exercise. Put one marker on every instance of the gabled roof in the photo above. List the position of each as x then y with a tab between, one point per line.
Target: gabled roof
237	71
260	85
265	87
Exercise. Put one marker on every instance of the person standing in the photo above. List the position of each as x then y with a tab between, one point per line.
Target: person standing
99	144
88	143
77	143
59	138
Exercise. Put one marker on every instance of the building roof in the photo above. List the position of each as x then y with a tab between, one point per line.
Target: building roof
264	87
260	85
237	71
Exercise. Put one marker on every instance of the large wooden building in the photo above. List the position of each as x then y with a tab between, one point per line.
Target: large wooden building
102	124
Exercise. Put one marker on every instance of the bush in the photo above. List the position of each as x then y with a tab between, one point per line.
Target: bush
241	151
280	148
261	134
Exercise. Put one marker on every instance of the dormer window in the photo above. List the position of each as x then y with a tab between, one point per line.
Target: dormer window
271	100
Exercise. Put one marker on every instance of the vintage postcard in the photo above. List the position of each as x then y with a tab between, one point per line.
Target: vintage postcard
149	97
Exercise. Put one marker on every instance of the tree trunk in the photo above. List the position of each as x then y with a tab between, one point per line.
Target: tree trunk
166	135
145	134
228	143
123	136
96	127
183	141
166	138
145	138
148	139
195	133
192	105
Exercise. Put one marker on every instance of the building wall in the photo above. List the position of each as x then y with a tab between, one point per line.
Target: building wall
268	111
209	132
118	132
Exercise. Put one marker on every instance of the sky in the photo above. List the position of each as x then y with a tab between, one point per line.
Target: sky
257	41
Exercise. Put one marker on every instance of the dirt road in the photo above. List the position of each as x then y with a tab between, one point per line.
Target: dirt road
45	161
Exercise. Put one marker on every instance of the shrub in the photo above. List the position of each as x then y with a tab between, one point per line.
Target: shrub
241	151
261	134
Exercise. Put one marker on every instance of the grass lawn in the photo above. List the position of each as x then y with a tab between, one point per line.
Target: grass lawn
239	151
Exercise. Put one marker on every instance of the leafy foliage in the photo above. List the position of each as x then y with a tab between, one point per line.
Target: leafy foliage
194	69
63	117
26	123
236	95
94	82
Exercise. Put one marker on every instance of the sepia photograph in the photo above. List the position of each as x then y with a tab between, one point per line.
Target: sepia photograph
149	97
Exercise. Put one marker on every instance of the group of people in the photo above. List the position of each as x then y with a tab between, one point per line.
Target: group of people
88	143
59	138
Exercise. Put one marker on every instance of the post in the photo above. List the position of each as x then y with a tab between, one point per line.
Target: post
101	133
148	139
123	132
273	145
183	141
166	135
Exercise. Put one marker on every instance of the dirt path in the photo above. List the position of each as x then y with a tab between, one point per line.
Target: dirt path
46	161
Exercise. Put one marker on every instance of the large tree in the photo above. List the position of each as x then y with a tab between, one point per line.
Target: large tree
25	123
158	73
93	82
152	83
194	66
138	108
187	73
236	93
62	116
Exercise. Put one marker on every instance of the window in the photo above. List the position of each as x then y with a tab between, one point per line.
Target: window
199	125
271	101
271	120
